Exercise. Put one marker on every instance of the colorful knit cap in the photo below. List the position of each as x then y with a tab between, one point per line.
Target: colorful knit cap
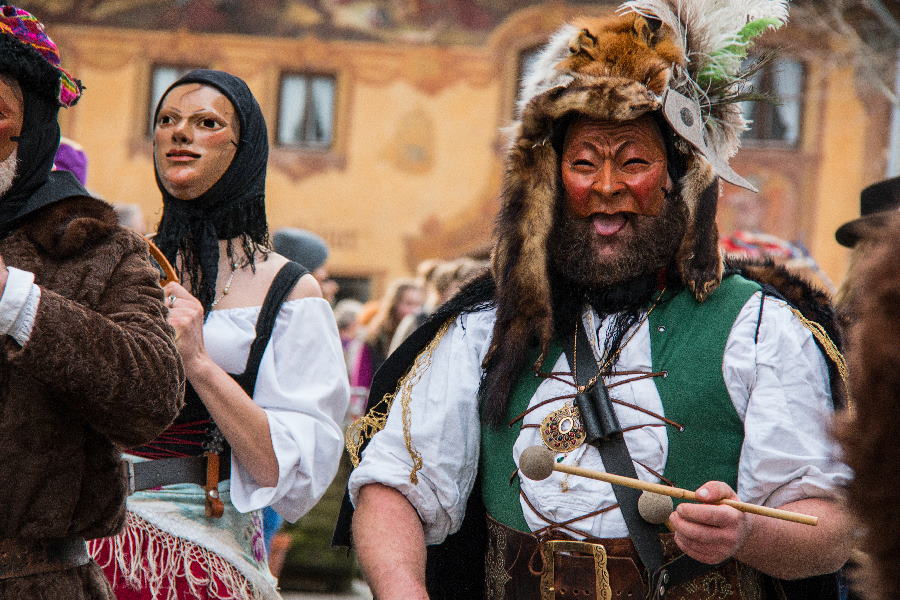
28	31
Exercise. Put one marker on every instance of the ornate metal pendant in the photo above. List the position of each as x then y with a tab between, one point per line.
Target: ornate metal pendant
562	430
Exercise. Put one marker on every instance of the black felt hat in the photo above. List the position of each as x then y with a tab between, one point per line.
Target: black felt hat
301	246
876	203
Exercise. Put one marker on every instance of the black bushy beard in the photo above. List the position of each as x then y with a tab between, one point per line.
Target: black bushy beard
574	246
622	285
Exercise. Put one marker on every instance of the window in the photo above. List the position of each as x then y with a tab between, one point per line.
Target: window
161	78
306	111
784	79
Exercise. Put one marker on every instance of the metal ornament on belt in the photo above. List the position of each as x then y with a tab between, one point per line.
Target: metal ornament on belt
602	589
562	430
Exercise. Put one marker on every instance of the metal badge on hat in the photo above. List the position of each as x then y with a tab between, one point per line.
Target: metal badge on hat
683	114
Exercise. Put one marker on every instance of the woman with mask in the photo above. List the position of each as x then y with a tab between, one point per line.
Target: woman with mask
267	388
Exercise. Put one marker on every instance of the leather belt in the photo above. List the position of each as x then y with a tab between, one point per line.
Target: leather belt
23	557
151	474
520	566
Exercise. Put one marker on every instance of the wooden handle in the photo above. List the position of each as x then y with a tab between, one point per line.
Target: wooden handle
169	274
674	492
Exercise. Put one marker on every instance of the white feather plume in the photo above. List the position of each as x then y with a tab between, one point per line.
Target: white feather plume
706	27
710	32
543	75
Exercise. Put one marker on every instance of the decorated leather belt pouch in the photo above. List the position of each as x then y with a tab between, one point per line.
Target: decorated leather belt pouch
520	566
23	557
564	568
151	474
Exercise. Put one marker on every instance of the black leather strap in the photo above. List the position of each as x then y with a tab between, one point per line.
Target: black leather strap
284	281
614	453
596	408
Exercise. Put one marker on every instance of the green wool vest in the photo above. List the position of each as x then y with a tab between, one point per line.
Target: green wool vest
687	341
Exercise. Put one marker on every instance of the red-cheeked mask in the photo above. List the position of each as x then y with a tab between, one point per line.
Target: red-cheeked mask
614	168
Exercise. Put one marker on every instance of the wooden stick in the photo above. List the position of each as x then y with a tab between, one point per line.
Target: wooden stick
168	272
674	492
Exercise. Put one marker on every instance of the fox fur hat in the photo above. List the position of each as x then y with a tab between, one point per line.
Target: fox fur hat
679	59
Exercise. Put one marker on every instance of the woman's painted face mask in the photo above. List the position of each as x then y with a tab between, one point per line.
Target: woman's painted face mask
195	139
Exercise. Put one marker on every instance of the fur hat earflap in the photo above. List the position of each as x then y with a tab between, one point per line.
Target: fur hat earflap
700	259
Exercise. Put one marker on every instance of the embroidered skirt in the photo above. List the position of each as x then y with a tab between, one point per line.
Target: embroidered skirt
170	550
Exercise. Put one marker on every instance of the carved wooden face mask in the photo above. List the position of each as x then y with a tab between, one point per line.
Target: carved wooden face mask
611	170
195	139
12	110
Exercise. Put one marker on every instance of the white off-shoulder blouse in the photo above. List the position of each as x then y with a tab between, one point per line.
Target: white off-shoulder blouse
302	386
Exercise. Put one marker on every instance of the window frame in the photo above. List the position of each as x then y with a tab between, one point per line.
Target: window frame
151	103
767	80
309	75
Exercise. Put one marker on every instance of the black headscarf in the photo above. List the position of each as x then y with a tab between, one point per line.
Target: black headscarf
34	186
234	207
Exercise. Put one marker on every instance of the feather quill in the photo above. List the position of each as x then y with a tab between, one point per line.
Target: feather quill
716	36
713	30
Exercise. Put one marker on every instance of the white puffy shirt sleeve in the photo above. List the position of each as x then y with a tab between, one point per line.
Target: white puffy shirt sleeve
302	386
444	429
779	384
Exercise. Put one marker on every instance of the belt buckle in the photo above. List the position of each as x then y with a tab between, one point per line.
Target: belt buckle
601	574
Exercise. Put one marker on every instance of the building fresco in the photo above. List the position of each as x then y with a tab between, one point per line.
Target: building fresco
422	90
388	21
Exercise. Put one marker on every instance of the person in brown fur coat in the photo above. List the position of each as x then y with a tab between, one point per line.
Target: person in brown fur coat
88	364
869	435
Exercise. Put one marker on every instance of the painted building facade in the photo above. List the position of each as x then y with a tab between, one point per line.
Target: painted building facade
384	117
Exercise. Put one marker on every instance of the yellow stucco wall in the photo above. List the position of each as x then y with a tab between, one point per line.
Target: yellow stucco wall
843	152
364	199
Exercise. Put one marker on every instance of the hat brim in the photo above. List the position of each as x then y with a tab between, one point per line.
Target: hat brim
851	232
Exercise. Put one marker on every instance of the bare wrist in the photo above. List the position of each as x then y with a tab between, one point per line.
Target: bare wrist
198	368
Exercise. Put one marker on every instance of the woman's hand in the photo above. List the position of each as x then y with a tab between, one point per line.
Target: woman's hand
186	317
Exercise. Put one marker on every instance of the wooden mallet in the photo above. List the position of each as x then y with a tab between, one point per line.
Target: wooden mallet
537	462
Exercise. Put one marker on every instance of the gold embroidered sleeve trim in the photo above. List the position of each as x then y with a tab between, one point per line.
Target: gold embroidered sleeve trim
365	427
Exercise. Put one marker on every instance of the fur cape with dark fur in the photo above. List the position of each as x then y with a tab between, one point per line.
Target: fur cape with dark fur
100	372
455	569
869	434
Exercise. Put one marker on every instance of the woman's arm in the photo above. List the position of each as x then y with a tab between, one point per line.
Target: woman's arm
244	424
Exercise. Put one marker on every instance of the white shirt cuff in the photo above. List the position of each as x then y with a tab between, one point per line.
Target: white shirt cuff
18	305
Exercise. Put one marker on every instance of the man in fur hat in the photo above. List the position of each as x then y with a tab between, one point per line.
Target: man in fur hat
89	363
612	335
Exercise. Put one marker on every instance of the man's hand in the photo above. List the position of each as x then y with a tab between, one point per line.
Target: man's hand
711	533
